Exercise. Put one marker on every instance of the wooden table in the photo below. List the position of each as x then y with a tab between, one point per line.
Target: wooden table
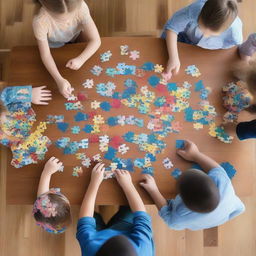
26	68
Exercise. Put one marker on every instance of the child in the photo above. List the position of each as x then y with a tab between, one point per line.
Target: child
239	97
127	233
248	48
204	200
51	209
211	24
16	114
60	22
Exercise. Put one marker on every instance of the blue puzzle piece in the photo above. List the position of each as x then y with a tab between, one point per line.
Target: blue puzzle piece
80	117
139	162
180	144
105	106
176	173
129	136
111	153
63	126
112	121
153	81
172	87
151	157
88	128
148	170
148	66
229	168
199	86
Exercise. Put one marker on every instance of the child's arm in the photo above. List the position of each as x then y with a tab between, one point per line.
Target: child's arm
248	48
64	86
173	65
92	35
125	181
87	207
25	94
192	153
51	166
149	184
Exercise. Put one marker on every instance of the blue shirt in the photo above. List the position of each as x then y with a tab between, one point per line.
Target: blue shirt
177	216
140	235
185	23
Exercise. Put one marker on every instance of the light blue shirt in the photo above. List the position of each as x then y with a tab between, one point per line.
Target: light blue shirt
185	23
140	235
177	216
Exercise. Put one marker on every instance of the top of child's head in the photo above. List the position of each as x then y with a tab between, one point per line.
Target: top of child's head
217	16
198	191
52	209
117	245
61	6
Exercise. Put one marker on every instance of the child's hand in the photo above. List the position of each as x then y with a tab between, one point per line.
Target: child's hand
148	183
97	174
65	88
123	178
40	96
75	63
190	152
52	165
173	67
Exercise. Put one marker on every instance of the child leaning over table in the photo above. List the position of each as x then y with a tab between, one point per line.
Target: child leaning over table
128	233
205	198
211	24
51	209
60	22
239	97
16	112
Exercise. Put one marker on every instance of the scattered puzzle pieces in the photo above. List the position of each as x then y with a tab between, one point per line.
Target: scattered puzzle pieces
193	71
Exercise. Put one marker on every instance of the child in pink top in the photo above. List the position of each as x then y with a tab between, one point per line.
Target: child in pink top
60	22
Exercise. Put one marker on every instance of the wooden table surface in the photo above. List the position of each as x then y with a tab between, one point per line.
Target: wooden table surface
26	68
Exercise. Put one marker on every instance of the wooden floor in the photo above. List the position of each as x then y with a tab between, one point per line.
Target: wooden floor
18	234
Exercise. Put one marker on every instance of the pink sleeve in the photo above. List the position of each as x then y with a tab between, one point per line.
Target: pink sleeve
40	29
84	14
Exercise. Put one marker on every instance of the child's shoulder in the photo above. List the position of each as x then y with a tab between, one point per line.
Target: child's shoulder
41	16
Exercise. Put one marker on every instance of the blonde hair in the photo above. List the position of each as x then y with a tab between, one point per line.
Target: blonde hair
61	6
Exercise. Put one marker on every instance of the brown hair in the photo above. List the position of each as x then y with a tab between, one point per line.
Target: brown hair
216	13
60	6
63	217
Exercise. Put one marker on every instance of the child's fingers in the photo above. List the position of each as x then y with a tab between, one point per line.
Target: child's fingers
52	158
43	103
46	93
42	87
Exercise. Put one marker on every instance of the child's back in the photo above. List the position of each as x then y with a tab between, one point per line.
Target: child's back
178	216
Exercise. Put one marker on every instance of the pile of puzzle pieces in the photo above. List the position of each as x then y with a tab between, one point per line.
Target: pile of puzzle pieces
157	99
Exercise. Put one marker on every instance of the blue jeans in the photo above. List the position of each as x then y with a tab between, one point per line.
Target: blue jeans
122	220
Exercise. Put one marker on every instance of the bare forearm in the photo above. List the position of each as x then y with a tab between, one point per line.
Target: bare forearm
90	49
50	65
158	199
88	204
134	199
171	42
44	183
205	162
